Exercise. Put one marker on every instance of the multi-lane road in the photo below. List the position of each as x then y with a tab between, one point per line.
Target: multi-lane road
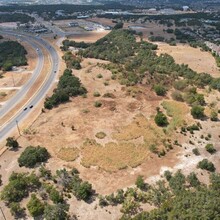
40	94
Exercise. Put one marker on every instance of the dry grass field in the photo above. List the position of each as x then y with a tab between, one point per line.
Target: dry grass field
198	60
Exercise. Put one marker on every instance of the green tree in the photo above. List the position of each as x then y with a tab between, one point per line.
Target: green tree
84	191
16	209
33	155
160	90
161	119
197	112
35	206
206	165
55	196
140	183
56	212
12	143
210	148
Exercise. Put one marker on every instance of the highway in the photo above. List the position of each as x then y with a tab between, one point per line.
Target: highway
21	114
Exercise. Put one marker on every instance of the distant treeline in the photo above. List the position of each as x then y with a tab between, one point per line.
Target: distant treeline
12	54
68	9
16	17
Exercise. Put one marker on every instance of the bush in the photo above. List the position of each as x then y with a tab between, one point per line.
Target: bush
84	191
19	186
197	112
100	135
210	148
96	94
16	209
68	86
35	206
160	90
33	155
55	196
180	85
196	151
161	119
99	76
12	143
214	116
97	104
167	175
206	165
140	183
177	96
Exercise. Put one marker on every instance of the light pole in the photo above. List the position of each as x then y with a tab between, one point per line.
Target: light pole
18	128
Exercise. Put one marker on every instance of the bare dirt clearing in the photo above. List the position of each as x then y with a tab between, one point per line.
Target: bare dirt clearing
197	60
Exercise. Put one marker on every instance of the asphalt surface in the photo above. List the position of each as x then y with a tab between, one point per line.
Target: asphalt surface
21	114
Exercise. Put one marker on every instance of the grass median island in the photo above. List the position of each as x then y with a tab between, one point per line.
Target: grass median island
12	54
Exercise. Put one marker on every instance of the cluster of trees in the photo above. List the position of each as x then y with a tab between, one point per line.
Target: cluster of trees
48	194
16	17
68	43
72	61
12	54
68	86
115	47
185	197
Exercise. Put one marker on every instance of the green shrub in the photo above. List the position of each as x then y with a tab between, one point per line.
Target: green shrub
210	148
35	206
12	143
97	104
160	90
16	209
161	119
206	165
214	115
197	112
99	76
196	151
140	183
96	94
33	155
177	96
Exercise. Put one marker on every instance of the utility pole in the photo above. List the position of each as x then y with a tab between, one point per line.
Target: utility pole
18	128
2	213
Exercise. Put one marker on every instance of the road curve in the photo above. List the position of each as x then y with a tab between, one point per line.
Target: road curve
41	92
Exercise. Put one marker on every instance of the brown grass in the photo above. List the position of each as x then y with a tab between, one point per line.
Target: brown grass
112	156
68	154
140	127
177	111
198	60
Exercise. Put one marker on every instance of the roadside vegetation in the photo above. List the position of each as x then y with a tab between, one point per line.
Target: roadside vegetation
12	54
68	86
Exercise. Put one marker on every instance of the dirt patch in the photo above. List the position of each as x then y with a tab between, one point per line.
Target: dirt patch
200	61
